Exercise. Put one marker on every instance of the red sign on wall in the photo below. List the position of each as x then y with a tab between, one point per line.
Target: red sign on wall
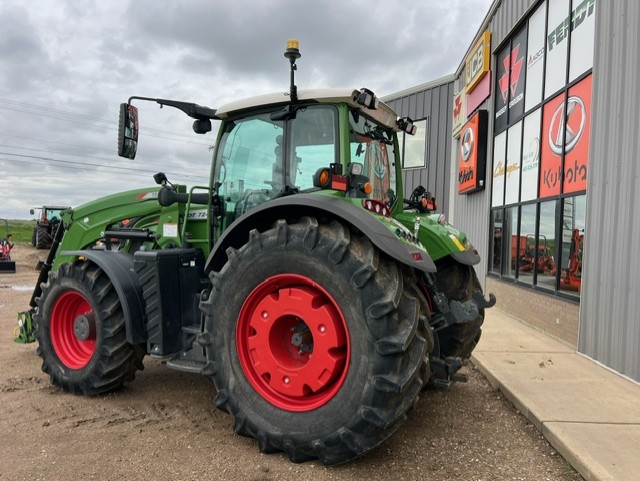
472	154
566	129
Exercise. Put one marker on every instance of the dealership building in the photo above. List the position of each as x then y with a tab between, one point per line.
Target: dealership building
532	148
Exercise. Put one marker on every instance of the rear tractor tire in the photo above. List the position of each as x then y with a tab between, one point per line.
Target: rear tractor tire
43	237
80	330
317	344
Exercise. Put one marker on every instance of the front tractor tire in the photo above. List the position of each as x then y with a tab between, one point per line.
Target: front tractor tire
80	330
458	282
317	344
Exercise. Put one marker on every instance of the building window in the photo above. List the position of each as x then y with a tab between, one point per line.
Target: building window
511	242
415	147
546	262
573	220
542	117
497	227
527	243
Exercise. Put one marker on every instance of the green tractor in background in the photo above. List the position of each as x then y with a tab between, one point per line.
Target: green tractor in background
318	300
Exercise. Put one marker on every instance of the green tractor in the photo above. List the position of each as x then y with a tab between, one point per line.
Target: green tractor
318	301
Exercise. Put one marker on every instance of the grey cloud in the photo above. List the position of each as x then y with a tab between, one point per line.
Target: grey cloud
81	58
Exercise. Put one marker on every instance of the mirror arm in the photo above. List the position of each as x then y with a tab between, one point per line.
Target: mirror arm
192	110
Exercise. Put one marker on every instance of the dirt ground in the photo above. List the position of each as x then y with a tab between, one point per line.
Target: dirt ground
163	426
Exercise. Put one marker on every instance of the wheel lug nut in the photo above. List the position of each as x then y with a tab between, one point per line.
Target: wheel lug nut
265	314
322	328
286	380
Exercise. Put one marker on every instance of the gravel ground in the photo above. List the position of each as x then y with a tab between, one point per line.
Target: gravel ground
163	426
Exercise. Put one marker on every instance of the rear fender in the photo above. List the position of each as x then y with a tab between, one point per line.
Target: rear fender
118	266
441	240
296	206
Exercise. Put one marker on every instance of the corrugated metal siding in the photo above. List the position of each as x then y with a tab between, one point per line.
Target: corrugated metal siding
506	17
435	103
609	319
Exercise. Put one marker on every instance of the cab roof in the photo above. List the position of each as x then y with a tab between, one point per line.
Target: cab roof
383	114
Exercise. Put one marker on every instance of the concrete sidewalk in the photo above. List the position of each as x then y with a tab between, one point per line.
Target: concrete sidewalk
589	414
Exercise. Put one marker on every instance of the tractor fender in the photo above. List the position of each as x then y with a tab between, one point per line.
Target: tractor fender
470	257
300	205
118	266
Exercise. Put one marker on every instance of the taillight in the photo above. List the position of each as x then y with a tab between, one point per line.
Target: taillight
376	207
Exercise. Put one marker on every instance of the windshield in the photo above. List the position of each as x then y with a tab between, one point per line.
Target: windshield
250	160
53	214
371	144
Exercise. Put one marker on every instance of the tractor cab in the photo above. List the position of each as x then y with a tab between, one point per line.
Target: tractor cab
341	141
329	142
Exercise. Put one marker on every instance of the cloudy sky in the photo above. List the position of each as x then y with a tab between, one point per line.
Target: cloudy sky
67	65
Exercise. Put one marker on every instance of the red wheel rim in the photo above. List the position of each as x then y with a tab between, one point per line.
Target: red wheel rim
293	343
73	352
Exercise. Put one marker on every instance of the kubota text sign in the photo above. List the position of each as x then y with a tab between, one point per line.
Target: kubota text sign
472	154
577	135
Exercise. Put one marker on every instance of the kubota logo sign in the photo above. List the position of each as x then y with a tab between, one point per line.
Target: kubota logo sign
466	144
473	153
567	132
565	149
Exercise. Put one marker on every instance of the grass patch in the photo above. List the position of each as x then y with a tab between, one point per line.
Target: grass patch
21	230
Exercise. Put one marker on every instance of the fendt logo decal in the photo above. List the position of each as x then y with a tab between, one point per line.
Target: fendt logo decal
573	21
466	144
513	65
574	125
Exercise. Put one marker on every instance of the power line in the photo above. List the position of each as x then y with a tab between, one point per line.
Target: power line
111	168
104	126
71	153
74	114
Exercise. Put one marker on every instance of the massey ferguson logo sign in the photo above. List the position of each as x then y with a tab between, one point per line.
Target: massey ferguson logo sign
567	133
511	83
459	113
472	154
478	62
513	65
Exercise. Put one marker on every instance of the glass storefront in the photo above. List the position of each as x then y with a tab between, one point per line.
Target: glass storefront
541	147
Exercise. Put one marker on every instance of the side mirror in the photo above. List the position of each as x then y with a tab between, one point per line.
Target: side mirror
31	211
128	131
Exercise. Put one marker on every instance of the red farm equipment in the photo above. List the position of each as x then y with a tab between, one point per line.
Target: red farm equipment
6	264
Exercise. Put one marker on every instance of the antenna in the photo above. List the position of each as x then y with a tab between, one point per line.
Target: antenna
293	53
